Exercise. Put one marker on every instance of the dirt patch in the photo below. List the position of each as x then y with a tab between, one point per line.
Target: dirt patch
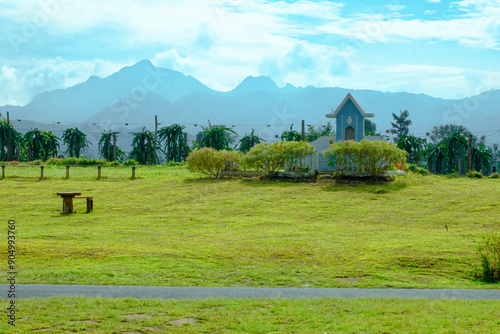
138	316
347	279
43	330
152	329
180	322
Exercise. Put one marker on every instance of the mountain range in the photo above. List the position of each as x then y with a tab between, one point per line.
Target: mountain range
131	97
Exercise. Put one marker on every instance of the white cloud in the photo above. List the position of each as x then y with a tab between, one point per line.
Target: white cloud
437	81
21	81
220	42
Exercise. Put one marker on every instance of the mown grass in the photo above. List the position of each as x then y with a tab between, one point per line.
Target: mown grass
97	315
173	228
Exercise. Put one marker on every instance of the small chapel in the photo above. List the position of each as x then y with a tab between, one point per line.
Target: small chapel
350	125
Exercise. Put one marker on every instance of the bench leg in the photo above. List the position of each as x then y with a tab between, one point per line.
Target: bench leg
90	204
67	205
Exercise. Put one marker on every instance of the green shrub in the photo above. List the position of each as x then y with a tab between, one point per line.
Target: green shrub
410	167
37	162
173	164
71	161
371	157
270	158
114	163
212	162
474	174
495	175
422	171
489	254
453	175
55	161
131	162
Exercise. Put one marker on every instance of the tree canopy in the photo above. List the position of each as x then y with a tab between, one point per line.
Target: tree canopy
75	140
401	125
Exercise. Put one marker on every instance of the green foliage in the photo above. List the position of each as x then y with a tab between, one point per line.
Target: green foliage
370	128
270	158
106	147
438	133
216	137
173	164
372	157
495	175
40	144
481	157
401	127
415	169
71	161
249	141
212	162
414	146
131	162
322	130
452	150
175	148
145	147
75	140
489	254
10	139
474	174
291	135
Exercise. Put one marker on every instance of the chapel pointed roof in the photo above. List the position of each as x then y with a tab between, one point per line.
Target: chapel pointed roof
356	104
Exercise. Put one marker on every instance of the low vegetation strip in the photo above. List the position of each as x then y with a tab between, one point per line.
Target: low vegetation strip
97	315
174	228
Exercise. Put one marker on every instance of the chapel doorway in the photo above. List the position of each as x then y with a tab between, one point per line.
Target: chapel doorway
349	133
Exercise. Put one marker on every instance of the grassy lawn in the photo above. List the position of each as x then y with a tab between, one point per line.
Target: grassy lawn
173	228
67	315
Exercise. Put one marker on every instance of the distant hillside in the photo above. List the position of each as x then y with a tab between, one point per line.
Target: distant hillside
137	93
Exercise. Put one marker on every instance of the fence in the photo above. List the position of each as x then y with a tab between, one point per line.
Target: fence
43	168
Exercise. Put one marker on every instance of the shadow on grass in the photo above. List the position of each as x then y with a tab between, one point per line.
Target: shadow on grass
255	182
364	185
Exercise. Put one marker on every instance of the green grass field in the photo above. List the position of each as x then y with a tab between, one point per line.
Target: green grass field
173	228
70	315
170	227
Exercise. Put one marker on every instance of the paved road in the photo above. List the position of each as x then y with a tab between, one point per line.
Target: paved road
161	292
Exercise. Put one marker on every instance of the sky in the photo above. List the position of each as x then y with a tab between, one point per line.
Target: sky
447	49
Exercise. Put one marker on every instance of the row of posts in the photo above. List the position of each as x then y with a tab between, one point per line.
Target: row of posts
67	172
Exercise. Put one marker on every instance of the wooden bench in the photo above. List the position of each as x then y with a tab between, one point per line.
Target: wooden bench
68	201
90	202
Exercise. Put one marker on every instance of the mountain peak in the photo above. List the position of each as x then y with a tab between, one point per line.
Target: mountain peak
253	84
143	63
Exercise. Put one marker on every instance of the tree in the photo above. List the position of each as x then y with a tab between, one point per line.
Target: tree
175	148
249	141
143	147
438	133
40	144
107	149
34	142
51	145
401	127
291	135
75	140
216	137
9	140
480	159
370	128
322	130
414	146
450	154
